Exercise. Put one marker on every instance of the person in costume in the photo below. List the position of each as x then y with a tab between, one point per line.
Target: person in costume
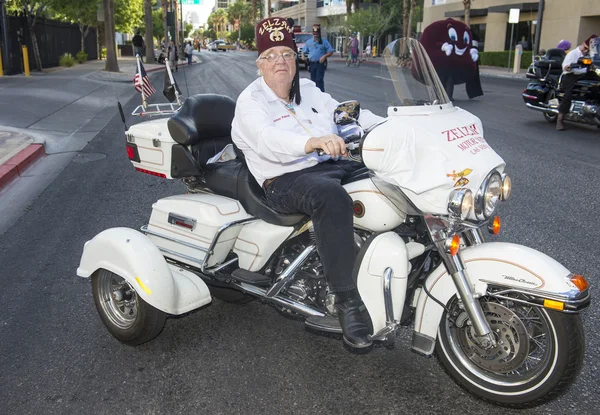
280	122
449	44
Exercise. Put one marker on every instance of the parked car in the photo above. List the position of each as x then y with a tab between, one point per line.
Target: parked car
218	45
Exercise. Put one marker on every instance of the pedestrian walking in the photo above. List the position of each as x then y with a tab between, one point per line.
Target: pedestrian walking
173	55
318	50
138	45
189	50
353	47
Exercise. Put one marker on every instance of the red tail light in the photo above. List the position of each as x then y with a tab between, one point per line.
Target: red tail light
151	173
132	152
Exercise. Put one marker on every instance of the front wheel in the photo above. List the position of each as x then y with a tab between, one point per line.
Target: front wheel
125	314
537	357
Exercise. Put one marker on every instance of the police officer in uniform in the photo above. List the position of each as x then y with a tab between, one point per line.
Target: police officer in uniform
318	50
280	122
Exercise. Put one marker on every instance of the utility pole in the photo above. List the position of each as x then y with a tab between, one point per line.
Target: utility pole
538	28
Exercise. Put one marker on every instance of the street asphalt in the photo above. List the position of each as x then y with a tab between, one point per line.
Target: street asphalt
57	358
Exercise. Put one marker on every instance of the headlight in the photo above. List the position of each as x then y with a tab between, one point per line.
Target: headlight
460	203
488	195
506	187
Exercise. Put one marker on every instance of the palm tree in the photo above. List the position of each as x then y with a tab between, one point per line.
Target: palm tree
467	4
410	18
165	7
238	11
149	38
405	29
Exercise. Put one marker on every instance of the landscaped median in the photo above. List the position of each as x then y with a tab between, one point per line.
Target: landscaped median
500	59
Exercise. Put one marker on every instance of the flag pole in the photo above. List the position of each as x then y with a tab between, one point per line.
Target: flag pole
173	82
137	58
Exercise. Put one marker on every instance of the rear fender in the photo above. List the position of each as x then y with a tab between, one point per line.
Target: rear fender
495	263
132	256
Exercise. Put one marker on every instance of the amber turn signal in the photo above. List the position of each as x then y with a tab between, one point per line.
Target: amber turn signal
554	305
453	245
495	225
586	61
580	282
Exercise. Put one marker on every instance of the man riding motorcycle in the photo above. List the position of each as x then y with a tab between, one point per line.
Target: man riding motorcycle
280	123
571	76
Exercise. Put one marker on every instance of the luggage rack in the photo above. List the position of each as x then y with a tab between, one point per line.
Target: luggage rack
153	110
209	251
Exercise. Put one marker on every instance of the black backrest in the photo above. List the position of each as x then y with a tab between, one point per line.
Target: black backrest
202	117
555	54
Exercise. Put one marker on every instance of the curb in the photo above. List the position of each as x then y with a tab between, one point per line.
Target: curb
17	164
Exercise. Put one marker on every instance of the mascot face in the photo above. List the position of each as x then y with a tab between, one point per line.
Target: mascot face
449	43
459	36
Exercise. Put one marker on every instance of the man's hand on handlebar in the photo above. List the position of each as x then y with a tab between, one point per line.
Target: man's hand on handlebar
330	144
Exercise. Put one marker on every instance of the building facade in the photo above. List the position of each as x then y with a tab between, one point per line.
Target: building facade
572	20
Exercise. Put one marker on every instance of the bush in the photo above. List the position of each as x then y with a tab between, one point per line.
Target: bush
81	56
66	60
500	59
103	53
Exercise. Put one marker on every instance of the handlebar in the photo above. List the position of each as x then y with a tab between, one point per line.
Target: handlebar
349	146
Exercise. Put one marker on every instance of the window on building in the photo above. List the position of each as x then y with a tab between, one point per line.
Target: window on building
302	22
478	31
523	34
436	2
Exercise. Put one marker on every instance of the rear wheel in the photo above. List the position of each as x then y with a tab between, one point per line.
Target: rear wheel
126	315
551	118
537	357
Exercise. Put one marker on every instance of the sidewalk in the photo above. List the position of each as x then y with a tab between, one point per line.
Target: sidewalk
60	110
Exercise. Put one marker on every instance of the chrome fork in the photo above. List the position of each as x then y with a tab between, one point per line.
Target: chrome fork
440	233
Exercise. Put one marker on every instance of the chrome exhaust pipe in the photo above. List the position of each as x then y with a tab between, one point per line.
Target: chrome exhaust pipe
299	308
553	111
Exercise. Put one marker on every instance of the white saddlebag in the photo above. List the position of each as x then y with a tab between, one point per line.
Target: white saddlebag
151	144
184	226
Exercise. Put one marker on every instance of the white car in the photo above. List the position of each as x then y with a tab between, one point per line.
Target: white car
214	46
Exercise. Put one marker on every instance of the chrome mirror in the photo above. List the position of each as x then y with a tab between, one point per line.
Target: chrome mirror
347	112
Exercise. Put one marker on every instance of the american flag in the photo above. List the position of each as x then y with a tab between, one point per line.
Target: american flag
142	82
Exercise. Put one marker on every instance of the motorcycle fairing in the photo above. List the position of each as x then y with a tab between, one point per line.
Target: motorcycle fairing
493	263
451	141
131	255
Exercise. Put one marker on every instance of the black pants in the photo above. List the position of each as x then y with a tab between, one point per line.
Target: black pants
317	192
568	83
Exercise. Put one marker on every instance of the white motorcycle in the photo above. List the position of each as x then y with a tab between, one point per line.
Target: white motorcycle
501	318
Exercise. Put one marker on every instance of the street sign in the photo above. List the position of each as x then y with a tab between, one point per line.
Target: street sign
191	2
513	16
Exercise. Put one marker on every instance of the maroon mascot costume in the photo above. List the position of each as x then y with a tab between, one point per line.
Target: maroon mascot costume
449	44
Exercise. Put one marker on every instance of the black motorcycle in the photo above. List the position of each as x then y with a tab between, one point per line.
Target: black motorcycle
545	92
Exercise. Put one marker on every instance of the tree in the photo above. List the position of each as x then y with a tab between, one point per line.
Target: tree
33	9
128	14
109	24
467	5
410	18
405	29
238	11
369	22
164	8
218	21
148	20
83	12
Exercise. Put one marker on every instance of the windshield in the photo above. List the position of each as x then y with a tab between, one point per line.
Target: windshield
412	74
302	37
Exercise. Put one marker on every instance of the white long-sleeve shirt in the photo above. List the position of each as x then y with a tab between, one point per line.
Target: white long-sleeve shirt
273	137
571	59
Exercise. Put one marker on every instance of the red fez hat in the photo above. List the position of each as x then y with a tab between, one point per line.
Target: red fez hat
589	39
272	32
317	29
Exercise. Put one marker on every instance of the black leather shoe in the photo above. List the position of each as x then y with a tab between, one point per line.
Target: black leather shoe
355	328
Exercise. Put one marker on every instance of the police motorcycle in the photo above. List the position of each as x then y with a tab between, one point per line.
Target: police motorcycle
503	319
544	93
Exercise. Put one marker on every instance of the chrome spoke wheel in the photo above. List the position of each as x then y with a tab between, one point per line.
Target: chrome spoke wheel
119	301
523	336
